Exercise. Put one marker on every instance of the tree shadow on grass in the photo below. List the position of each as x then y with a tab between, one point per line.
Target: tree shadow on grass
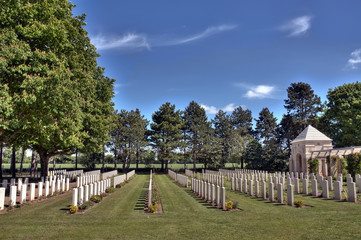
139	205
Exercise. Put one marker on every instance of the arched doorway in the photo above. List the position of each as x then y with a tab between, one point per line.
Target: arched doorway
299	162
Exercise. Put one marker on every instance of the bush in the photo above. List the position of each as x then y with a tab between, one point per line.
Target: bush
96	198
313	165
86	205
354	164
235	204
343	165
109	190
299	203
73	209
229	205
153	208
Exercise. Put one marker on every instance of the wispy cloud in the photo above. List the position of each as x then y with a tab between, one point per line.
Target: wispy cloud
206	33
297	27
133	41
213	110
259	91
355	60
129	41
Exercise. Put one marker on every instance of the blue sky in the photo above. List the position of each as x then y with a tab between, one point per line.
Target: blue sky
223	54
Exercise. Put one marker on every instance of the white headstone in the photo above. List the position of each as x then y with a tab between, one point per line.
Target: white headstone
290	195
32	191
81	195
40	189
75	197
338	187
86	195
280	193
2	198
12	200
46	188
23	193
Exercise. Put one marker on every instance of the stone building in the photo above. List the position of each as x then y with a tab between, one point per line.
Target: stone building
311	143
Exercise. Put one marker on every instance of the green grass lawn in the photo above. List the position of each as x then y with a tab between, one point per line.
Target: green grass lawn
120	216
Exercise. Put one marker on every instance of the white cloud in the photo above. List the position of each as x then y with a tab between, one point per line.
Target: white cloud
132	41
259	91
355	59
297	26
206	33
213	110
129	41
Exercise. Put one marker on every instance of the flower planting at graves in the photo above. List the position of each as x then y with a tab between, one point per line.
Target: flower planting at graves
299	203
73	209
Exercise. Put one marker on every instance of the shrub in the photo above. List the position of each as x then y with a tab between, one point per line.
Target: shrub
109	190
73	209
313	165
235	204
153	208
343	165
299	203
96	198
86	205
354	164
229	205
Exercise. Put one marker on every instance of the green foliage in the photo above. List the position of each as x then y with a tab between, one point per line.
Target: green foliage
343	165
229	205
299	203
223	130
54	97
109	190
235	204
86	205
313	165
354	164
73	209
96	198
253	156
342	118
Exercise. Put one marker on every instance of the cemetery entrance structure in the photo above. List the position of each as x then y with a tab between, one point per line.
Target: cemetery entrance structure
310	144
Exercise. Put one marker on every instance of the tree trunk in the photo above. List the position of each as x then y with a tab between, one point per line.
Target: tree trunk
36	156
115	159
194	159
44	160
103	159
54	163
242	163
13	163
32	167
137	161
124	161
22	161
1	161
76	159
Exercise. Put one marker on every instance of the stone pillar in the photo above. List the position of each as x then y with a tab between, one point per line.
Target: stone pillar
338	188
314	187
280	193
32	191
23	193
81	195
75	197
86	195
351	192
290	199
305	186
223	194
325	191
40	189
2	198
46	188
271	191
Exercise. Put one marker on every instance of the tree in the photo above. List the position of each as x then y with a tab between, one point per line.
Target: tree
223	130
48	70
342	118
266	126
303	107
165	132
253	156
197	127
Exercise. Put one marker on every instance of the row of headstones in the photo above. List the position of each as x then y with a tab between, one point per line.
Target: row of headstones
26	181
189	173
130	174
83	193
57	172
212	193
172	175
109	174
182	180
119	179
258	189
50	188
150	189
73	174
88	179
91	172
215	179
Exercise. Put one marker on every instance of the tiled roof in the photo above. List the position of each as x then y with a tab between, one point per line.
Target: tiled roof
311	134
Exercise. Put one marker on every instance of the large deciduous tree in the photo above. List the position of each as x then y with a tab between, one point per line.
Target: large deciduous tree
50	81
342	118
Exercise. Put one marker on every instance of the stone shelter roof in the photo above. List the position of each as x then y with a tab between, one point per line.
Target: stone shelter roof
311	134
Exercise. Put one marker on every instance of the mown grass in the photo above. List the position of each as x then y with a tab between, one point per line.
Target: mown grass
121	216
